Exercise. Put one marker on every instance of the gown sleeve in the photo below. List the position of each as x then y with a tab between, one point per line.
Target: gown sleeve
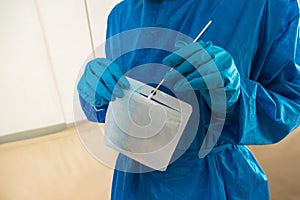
269	104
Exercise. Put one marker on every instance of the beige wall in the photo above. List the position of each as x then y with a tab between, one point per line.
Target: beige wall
58	167
54	167
282	165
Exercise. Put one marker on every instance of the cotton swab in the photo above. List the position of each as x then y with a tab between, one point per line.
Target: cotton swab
195	40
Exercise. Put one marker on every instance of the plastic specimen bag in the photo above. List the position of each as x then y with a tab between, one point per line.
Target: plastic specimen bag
146	130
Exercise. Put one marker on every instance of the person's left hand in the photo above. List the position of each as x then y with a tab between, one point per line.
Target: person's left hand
207	68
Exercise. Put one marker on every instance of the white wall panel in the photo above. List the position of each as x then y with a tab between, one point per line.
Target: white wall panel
43	46
68	40
29	98
99	11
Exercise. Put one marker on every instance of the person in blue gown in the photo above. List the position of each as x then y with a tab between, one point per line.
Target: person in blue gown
254	45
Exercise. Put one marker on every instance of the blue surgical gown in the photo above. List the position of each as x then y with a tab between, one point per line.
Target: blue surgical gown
261	36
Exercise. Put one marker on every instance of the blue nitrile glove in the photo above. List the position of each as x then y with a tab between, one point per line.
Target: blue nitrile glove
207	68
101	82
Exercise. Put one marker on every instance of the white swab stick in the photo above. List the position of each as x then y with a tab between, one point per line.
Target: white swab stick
203	30
195	40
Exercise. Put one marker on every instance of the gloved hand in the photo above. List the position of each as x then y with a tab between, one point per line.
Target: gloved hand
101	82
207	68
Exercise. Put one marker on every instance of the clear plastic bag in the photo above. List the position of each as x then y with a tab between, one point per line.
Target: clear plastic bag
146	130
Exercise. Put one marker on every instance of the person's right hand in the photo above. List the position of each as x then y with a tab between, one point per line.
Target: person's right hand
101	82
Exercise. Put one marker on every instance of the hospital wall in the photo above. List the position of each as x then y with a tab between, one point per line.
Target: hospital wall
43	46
